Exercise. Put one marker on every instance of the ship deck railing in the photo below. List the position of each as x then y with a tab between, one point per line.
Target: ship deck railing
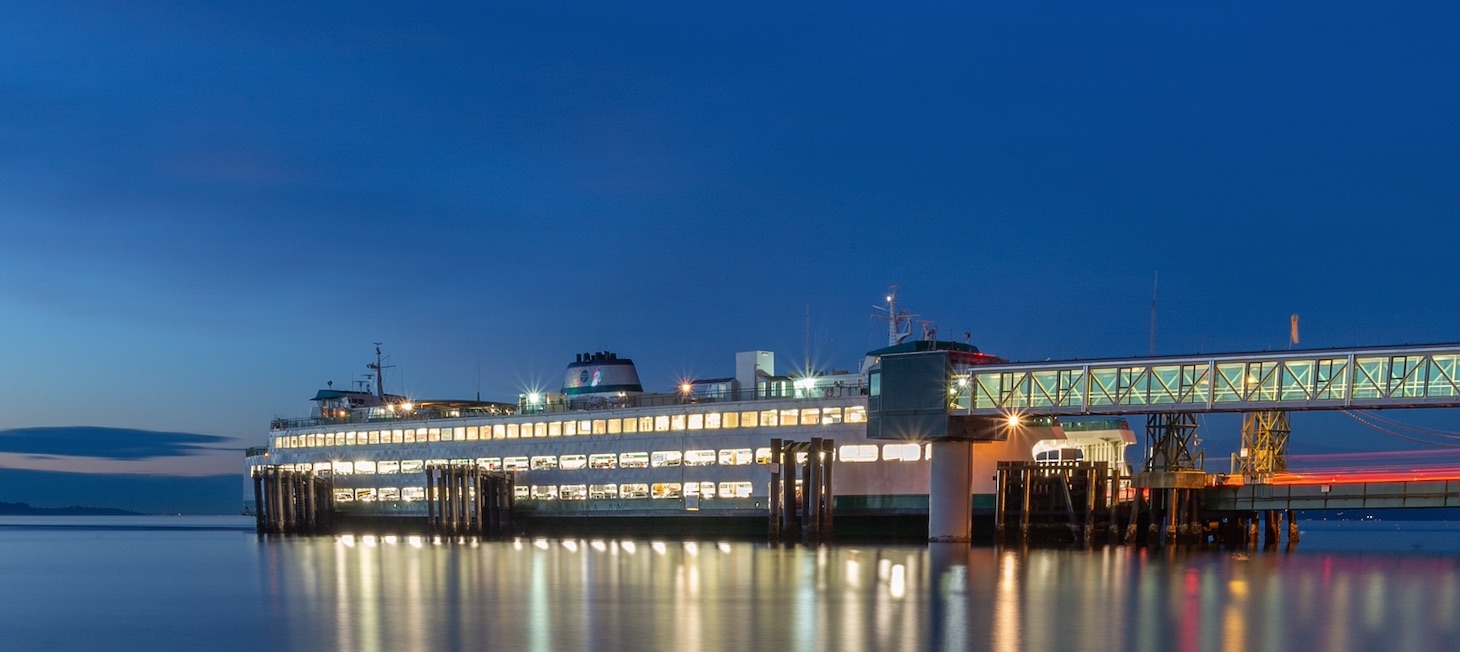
573	405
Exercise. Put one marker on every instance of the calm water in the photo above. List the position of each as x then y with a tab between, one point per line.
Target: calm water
144	583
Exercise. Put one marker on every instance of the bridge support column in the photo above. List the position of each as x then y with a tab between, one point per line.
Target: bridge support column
950	492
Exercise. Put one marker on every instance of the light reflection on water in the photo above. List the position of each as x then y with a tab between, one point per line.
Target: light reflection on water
98	586
574	594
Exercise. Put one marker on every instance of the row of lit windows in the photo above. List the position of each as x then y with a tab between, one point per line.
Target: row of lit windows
626	491
634	460
627	425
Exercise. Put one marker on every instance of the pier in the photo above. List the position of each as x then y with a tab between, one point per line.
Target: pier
957	402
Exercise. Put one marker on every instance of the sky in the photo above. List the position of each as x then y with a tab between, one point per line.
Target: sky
208	210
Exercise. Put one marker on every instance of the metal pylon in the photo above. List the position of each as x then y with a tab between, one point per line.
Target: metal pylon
1172	442
1264	445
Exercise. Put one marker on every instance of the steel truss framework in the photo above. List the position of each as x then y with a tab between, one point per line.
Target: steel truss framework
1171	438
1411	376
1264	445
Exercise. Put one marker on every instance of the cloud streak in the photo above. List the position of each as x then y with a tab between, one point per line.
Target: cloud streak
123	444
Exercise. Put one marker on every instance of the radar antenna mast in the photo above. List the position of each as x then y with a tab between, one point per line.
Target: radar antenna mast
379	368
899	322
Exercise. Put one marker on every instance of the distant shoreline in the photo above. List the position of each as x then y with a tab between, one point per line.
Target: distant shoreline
24	509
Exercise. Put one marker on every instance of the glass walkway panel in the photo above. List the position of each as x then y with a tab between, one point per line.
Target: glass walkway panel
1393	377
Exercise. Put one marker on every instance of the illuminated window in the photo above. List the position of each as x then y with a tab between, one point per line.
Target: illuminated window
329	439
343	468
856	414
434	434
701	489
420	434
731	419
646	424
365	467
712	421
615	426
737	456
459	433
544	492
660	490
699	458
633	460
397	436
490	463
392	466
554	429
831	416
903	452
602	491
677	422
763	455
585	427
375	437
350	438
747	419
472	433
410	436
858	453
344	496
390	493
788	417
665	458
696	422
573	492
810	416
321	467
570	428
543	463
602	461
767	418
412	493
600	426
514	463
632	491
519	491
436	462
411	466
573	462
661	423
365	495
631	425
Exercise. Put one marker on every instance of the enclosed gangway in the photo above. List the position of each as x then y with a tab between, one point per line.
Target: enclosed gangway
1333	379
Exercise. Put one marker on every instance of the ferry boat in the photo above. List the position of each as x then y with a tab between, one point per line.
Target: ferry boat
603	454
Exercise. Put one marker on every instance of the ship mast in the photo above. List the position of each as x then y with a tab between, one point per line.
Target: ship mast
899	323
379	368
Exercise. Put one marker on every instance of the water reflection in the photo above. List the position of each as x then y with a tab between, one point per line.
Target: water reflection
386	593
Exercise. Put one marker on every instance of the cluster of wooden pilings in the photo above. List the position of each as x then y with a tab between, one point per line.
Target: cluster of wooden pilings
1245	529
801	513
467	500
1167	508
287	501
1060	502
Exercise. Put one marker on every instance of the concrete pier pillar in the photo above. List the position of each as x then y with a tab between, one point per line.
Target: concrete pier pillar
950	493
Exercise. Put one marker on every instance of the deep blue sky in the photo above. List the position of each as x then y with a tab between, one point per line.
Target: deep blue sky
207	210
